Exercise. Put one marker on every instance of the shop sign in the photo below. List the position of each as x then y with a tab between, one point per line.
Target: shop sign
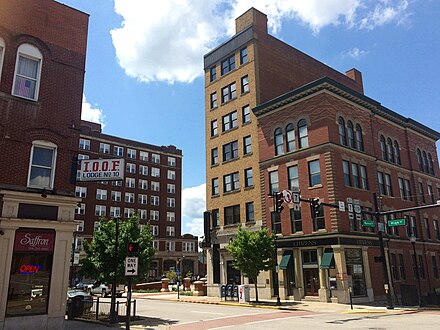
102	169
34	241
26	269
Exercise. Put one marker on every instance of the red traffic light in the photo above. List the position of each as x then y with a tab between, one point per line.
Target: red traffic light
133	248
279	200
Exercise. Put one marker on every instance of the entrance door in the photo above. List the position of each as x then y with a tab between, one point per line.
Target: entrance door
311	281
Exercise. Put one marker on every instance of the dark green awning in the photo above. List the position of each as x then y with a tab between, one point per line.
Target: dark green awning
285	261
328	260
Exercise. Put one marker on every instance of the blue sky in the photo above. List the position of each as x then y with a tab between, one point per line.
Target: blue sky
144	71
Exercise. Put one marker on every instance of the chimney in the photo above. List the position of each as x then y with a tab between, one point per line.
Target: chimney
252	17
356	75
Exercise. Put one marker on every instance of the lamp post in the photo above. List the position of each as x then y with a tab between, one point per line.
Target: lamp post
276	219
113	312
413	240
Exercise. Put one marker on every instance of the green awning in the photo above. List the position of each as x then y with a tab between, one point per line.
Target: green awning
328	260
285	261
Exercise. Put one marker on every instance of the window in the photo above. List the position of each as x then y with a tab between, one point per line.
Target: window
101	194
154	200
346	170
231	182
155	186
155	231
170	246
214	156
154	215
394	273
402	267
104	148
156	245
81	210
171	231
434	266
426	225
155	172
273	182
413	227
214	128
188	246
143	155
171	216
143	169
421	193
278	141
128	212
247	145
84	144
425	161
232	214
130	168
419	160
397	152
42	165
230	151
96	226
364	178
155	158
171	188
303	134
436	229
171	202
402	188
117	183
290	138
295	220
27	72
81	192
228	65
250	216
431	194
383	148
215	187
143	199
350	134
292	172
130	183
212	74
116	196
229	92
421	267
246	114
244	84
100	210
142	214
430	164
80	226
215	218
2	52
243	56
118	151
355	174
81	157
129	197
342	131
248	178
229	121
314	173
381	181
408	190
388	186
359	138
171	175
172	161
115	211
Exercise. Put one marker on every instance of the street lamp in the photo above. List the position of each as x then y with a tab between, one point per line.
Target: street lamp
413	240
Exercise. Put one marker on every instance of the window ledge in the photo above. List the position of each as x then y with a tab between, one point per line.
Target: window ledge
214	165
242	94
315	187
248	155
232	225
231	192
248	188
229	160
250	223
246	123
215	196
230	130
214	108
230	100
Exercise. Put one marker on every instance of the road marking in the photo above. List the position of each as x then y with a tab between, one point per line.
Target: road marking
208	313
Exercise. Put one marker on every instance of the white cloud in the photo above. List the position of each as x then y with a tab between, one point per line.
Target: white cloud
355	53
193	206
166	40
92	114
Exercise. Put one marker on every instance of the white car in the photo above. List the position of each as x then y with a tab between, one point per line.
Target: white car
105	290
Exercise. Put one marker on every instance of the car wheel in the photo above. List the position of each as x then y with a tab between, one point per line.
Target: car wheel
104	293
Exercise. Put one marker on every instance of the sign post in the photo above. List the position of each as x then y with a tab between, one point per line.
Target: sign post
131	269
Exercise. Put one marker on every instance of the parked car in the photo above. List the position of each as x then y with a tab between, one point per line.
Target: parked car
78	302
105	290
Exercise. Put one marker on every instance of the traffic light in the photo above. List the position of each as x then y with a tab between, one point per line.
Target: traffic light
315	204
133	248
279	200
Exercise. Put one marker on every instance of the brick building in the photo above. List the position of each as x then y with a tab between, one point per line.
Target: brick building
42	62
245	78
152	189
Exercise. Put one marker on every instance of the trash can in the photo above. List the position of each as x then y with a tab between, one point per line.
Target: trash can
75	307
243	294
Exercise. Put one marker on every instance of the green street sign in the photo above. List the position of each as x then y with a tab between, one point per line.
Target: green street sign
368	223
396	222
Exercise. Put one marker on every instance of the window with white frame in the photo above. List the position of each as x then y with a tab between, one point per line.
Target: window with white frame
81	157
81	192
143	199
78	175
155	172
81	209
171	175
115	211
171	216
171	188
96	226
84	144
156	245
171	202
188	246
130	168
155	230
131	153
154	200
170	246
42	165
116	196
118	151
171	231
143	184
100	210
80	226
154	215
129	197
171	161
79	243
155	158
143	155
130	183
104	148
128	212
143	170
142	214
155	186
27	73
101	194
117	183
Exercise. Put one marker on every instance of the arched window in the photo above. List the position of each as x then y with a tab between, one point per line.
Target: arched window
419	160
290	138
27	72
397	152
303	134
431	164
425	162
342	133
279	144
2	55
359	138
383	148
350	134
390	150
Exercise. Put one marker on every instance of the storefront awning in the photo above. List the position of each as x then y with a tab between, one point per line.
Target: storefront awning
328	260
285	261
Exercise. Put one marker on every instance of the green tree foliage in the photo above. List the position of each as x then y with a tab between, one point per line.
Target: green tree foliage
253	252
100	262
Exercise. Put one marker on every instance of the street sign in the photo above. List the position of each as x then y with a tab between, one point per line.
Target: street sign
368	223
396	222
287	196
295	197
131	266
341	206
357	208
350	208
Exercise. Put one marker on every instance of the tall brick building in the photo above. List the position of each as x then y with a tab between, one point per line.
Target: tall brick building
257	134
42	61
152	189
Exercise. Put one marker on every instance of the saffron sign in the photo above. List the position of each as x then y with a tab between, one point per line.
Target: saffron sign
102	169
34	241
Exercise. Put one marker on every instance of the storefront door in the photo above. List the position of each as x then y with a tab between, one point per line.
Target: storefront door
311	281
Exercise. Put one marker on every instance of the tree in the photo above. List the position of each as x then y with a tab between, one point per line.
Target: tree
100	262
253	252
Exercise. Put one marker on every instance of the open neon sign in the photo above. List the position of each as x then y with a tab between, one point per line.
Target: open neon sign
30	269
